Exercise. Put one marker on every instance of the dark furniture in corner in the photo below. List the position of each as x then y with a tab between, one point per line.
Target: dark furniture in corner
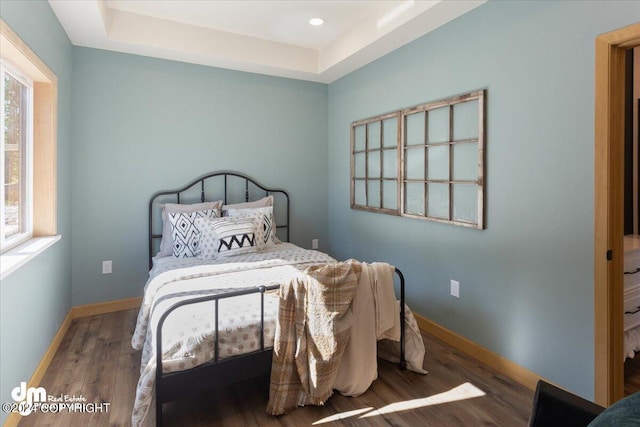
553	407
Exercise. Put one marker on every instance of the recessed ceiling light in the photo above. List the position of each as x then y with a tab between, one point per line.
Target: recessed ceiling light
316	21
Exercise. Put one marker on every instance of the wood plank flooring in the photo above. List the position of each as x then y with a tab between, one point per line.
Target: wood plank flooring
632	375
95	360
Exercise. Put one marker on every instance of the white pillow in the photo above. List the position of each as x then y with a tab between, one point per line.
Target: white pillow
264	202
222	237
166	244
266	224
185	233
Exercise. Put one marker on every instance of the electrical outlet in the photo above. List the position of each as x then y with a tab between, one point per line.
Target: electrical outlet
314	244
455	288
106	267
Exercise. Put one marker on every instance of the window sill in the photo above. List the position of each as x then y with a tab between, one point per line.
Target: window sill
15	258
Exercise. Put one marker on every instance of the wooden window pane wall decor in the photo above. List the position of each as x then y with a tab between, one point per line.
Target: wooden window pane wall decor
423	162
448	137
375	164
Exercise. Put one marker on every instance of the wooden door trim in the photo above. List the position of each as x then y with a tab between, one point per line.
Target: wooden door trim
608	214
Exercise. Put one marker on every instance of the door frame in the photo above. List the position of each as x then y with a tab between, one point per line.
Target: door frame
610	51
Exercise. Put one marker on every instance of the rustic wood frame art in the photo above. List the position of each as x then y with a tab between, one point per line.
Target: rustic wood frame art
439	161
375	164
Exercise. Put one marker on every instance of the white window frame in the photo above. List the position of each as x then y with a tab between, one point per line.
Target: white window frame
27	175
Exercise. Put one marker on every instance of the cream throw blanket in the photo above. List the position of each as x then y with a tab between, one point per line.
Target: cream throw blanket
375	317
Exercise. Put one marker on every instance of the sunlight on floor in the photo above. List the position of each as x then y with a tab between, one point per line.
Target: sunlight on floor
462	392
342	416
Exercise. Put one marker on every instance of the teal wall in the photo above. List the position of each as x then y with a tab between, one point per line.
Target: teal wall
142	125
35	299
526	282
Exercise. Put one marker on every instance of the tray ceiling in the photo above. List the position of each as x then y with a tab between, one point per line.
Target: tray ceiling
263	36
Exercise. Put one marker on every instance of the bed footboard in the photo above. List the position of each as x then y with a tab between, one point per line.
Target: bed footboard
175	385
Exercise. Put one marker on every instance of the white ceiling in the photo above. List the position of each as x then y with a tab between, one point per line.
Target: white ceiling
262	36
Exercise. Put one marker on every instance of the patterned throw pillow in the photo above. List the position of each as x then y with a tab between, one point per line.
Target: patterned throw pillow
166	244
222	237
185	233
267	227
208	238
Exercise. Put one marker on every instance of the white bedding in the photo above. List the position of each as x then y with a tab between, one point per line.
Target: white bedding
173	279
631	342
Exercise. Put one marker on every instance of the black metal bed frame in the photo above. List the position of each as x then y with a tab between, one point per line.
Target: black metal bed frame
174	385
203	197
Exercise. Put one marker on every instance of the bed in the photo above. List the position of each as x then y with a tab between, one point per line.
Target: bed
229	303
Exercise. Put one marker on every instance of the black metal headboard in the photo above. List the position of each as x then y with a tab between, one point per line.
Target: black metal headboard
228	186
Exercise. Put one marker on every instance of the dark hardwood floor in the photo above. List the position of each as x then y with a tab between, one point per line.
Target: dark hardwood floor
632	375
95	360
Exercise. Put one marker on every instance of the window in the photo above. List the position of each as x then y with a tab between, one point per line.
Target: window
29	97
423	162
16	97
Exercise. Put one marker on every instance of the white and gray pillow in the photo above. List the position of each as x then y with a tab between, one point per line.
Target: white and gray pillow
260	203
227	236
166	244
266	223
185	233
